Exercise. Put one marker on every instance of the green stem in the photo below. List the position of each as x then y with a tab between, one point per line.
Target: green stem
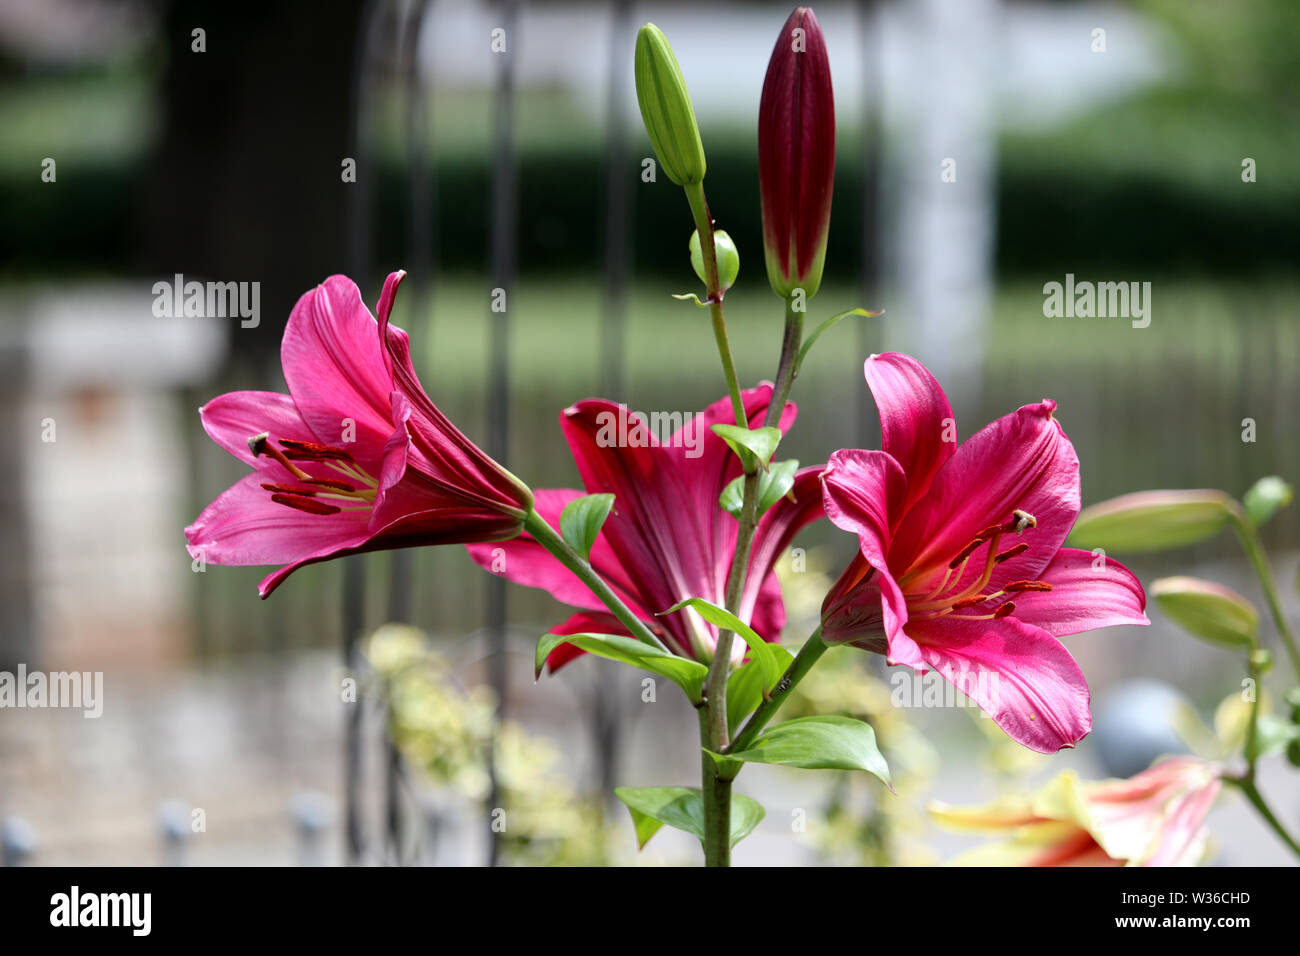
547	537
716	794
713	291
1250	543
1261	805
789	366
808	655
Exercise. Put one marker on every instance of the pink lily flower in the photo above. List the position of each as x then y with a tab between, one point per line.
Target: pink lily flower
667	538
961	567
355	458
1154	818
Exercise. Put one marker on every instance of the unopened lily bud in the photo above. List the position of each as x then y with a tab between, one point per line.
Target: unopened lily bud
1207	610
796	155
728	258
1153	520
666	108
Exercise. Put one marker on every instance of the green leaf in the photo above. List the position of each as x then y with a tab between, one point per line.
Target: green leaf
772	485
581	521
1265	498
745	688
1153	520
687	674
1273	734
682	808
830	323
1208	611
760	651
818	743
761	442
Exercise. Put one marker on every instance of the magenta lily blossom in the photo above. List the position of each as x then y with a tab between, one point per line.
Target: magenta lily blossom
961	566
355	458
667	538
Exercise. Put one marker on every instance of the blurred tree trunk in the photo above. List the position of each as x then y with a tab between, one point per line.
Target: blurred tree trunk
245	181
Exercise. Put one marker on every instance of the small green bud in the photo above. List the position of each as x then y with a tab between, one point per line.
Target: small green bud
1265	498
666	108
728	258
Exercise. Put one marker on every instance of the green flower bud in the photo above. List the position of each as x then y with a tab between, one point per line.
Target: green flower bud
728	258
1152	520
1208	611
666	108
1265	498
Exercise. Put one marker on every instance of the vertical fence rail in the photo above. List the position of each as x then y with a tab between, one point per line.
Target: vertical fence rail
503	247
360	263
868	331
606	724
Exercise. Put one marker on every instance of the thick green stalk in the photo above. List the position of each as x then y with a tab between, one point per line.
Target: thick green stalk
808	655
549	539
1261	805
1250	543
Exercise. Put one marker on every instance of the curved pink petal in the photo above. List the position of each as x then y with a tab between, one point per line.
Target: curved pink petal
1087	593
1019	675
861	491
243	526
235	417
1022	461
915	417
657	531
334	368
438	448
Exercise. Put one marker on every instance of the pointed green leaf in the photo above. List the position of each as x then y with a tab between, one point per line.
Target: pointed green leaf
818	743
1207	610
829	323
761	442
682	808
1273	734
687	674
745	688
772	485
760	651
582	519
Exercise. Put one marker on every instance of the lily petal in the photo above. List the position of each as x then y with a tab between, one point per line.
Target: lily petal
914	415
1020	461
1083	597
1019	675
235	417
861	490
243	526
334	368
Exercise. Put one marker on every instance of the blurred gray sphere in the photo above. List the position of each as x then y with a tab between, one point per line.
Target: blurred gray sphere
1133	724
